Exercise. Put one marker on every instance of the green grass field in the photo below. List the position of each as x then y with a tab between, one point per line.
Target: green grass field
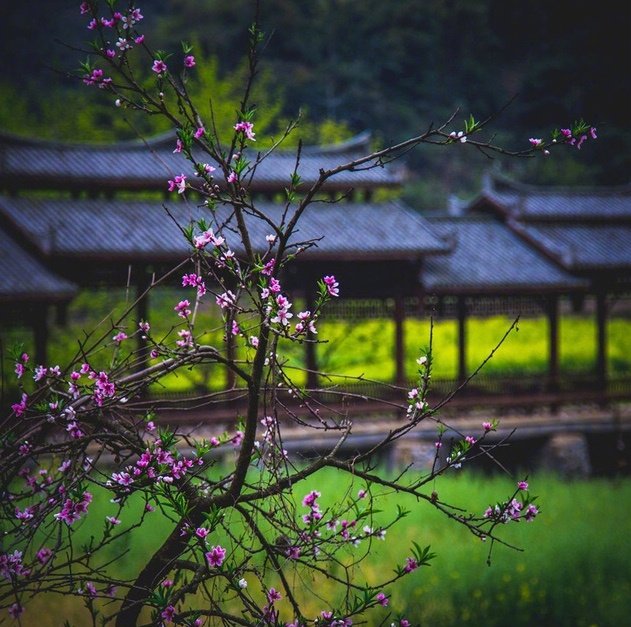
573	571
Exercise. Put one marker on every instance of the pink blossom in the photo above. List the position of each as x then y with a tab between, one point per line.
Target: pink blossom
332	285
15	611
237	438
293	552
531	512
43	555
138	40
268	269
470	440
121	336
216	556
19	370
201	532
186	339
235	328
20	408
199	133
178	182
273	595
84	7
182	309
189	61
168	614
110	54
535	143
362	494
178	148
382	599
227	299
40	373
410	565
144	326
247	128
592	132
232	177
159	67
112	520
310	499
274	285
167	583
522	485
254	341
92	24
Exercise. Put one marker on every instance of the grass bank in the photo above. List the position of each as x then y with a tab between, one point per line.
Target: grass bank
573	571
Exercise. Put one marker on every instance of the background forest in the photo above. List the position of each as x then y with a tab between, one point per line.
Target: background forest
392	66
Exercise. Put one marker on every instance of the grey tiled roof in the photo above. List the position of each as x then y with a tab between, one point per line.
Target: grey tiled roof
487	257
582	246
142	230
22	277
538	203
28	163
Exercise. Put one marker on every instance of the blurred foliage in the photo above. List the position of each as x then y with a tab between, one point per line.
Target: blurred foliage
393	67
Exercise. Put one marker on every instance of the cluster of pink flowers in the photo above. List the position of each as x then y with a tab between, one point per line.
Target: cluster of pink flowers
11	565
19	408
580	140
194	280
415	402
103	387
247	128
97	77
20	365
156	465
328	618
332	285
227	299
177	183
208	237
270	613
182	309
189	61
307	322
72	511
311	501
512	510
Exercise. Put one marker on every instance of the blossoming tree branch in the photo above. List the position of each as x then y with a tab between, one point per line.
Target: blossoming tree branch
240	534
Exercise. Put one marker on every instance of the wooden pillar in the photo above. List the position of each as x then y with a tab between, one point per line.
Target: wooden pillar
40	334
61	314
601	339
553	343
399	339
462	338
311	358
